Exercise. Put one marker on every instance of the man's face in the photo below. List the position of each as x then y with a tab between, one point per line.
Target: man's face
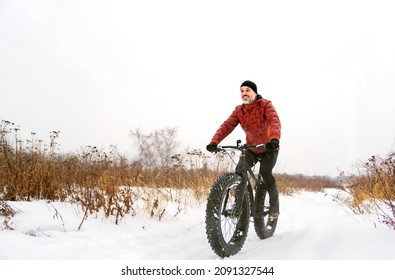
247	95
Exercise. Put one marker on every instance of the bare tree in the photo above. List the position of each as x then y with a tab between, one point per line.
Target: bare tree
156	148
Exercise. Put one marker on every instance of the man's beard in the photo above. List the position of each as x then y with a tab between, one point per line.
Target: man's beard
247	101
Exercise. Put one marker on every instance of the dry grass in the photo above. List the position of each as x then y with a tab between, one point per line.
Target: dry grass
288	184
98	180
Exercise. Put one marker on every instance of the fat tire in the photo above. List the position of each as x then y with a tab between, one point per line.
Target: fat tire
225	243
262	209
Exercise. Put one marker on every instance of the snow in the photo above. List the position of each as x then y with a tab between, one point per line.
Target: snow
312	226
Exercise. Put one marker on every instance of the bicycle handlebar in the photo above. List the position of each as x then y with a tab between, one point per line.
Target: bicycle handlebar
242	147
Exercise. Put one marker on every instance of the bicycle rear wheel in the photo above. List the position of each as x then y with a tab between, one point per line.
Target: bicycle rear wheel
262	229
227	215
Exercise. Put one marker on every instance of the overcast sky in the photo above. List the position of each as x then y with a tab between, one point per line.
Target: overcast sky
94	70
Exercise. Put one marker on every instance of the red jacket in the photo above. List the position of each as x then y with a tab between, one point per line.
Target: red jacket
259	120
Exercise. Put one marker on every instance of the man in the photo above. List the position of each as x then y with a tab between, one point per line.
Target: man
261	124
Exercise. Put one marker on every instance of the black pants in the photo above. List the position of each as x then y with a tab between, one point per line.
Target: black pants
267	162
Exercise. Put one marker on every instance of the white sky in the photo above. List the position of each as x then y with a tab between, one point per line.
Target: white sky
97	69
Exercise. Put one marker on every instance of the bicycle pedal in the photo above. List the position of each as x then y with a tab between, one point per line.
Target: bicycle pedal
272	221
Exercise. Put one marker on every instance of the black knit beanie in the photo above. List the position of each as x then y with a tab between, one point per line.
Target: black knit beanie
250	84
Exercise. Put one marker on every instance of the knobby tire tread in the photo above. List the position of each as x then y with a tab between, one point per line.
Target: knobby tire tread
213	218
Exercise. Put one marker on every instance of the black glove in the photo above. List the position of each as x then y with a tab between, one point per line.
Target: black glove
212	147
272	145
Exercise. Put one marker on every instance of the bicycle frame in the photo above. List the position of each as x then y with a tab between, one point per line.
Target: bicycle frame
246	172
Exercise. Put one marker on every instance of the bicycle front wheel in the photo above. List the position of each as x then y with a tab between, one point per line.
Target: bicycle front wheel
227	215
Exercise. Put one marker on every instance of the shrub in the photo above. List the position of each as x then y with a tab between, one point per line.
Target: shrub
373	189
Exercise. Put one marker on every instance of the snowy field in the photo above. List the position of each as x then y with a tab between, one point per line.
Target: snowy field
312	226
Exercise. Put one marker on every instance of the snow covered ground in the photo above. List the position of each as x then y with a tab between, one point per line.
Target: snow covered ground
312	226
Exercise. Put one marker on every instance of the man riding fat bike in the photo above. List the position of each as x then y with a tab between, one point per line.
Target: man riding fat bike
261	124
